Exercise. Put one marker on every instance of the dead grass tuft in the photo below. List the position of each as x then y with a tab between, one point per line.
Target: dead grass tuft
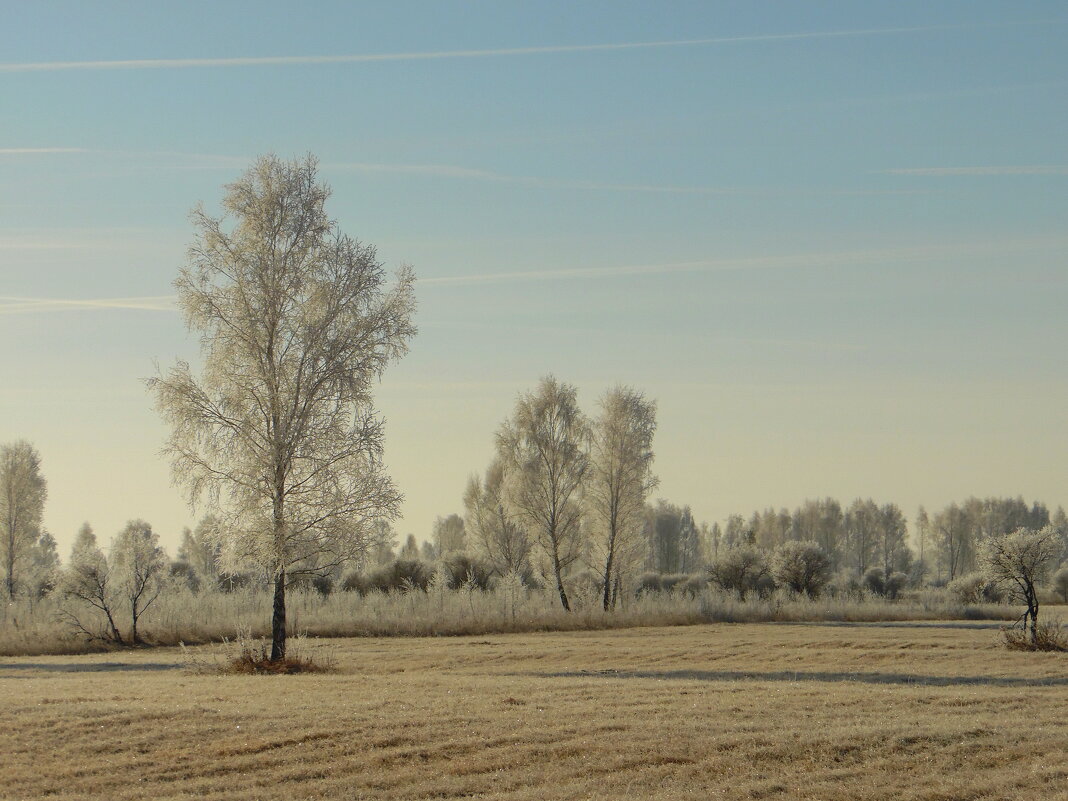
1049	636
248	655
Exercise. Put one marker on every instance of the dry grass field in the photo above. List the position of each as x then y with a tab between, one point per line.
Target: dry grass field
804	711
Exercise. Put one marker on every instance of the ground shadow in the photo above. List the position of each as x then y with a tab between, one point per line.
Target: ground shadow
88	667
819	676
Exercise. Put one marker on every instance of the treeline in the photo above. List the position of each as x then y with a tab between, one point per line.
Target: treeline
944	544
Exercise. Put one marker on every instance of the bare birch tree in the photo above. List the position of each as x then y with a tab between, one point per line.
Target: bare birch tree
22	495
543	449
279	433
619	482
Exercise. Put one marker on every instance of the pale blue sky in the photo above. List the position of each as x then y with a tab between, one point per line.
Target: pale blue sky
829	238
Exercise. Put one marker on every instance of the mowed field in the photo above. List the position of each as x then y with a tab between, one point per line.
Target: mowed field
903	711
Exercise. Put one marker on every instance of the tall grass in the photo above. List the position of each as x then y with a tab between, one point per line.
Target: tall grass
39	627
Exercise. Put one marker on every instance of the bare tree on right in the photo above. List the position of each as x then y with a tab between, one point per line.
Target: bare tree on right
1020	560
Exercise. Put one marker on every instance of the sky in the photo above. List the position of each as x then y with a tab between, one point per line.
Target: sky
828	238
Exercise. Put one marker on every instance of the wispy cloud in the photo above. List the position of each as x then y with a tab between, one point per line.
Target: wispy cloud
358	58
1006	169
19	305
478	174
208	161
802	260
31	151
896	256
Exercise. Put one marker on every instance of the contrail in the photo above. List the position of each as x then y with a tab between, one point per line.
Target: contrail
28	151
361	58
18	305
801	260
1007	169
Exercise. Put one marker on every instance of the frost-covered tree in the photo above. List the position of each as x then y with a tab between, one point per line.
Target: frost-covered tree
201	548
85	538
893	550
862	527
44	562
543	449
740	569
802	567
278	432
449	535
1018	562
410	550
620	479
138	567
495	535
87	581
382	544
22	496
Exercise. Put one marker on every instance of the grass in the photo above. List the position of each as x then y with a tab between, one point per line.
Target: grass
919	711
183	617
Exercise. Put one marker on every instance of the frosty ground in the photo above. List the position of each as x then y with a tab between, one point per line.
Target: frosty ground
934	710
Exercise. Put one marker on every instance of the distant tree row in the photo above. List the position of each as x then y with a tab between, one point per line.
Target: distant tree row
868	535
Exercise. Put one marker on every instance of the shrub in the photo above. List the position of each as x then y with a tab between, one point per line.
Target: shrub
649	582
323	584
1047	636
461	569
1060	583
404	574
975	588
801	567
692	586
846	584
874	581
673	581
183	575
355	581
231	582
742	569
894	584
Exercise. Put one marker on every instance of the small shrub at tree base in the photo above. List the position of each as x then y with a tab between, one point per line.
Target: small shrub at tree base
253	657
1049	635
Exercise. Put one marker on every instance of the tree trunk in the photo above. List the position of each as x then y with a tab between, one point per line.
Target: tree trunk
561	590
1032	604
607	598
115	633
133	623
278	621
10	567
